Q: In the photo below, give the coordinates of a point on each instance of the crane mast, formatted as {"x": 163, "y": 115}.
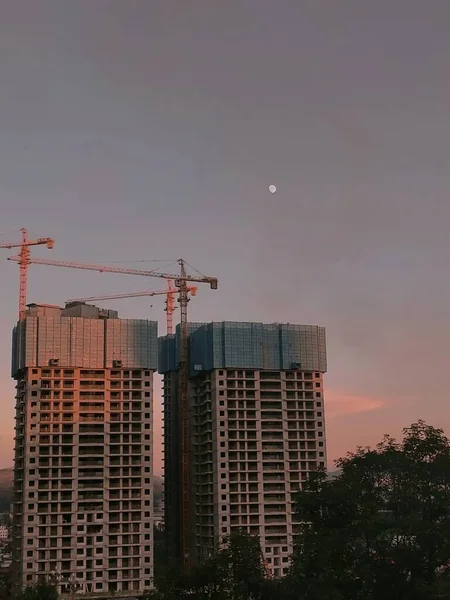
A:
{"x": 170, "y": 305}
{"x": 183, "y": 299}
{"x": 24, "y": 259}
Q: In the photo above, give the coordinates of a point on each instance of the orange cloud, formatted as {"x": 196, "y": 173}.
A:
{"x": 338, "y": 404}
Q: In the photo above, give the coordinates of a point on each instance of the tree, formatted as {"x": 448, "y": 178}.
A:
{"x": 154, "y": 595}
{"x": 243, "y": 560}
{"x": 5, "y": 585}
{"x": 39, "y": 591}
{"x": 234, "y": 572}
{"x": 380, "y": 529}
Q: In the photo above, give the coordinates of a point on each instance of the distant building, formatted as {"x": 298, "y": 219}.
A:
{"x": 83, "y": 500}
{"x": 158, "y": 515}
{"x": 257, "y": 430}
{"x": 4, "y": 533}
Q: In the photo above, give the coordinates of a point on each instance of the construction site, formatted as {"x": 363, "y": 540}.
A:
{"x": 243, "y": 426}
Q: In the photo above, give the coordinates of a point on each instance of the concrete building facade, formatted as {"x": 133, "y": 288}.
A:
{"x": 83, "y": 500}
{"x": 257, "y": 431}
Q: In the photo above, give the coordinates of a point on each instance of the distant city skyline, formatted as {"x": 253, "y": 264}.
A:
{"x": 136, "y": 131}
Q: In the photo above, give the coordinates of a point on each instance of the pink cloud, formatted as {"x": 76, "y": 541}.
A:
{"x": 344, "y": 404}
{"x": 354, "y": 420}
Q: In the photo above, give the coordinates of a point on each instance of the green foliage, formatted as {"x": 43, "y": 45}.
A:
{"x": 160, "y": 558}
{"x": 381, "y": 529}
{"x": 40, "y": 591}
{"x": 154, "y": 595}
{"x": 5, "y": 585}
{"x": 233, "y": 573}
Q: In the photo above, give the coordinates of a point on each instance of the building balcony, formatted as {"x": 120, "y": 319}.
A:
{"x": 90, "y": 484}
{"x": 54, "y": 485}
{"x": 90, "y": 507}
{"x": 276, "y": 530}
{"x": 272, "y": 445}
{"x": 274, "y": 487}
{"x": 87, "y": 405}
{"x": 90, "y": 473}
{"x": 100, "y": 386}
{"x": 266, "y": 425}
{"x": 267, "y": 415}
{"x": 88, "y": 462}
{"x": 273, "y": 466}
{"x": 275, "y": 456}
{"x": 87, "y": 374}
{"x": 92, "y": 439}
{"x": 274, "y": 498}
{"x": 265, "y": 405}
{"x": 93, "y": 450}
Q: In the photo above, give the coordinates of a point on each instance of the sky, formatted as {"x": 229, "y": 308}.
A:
{"x": 135, "y": 131}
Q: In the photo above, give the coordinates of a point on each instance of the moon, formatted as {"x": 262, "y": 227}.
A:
{"x": 272, "y": 189}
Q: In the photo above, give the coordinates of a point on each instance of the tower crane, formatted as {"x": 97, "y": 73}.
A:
{"x": 169, "y": 293}
{"x": 181, "y": 283}
{"x": 24, "y": 259}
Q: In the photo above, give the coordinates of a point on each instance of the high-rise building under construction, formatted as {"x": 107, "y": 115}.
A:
{"x": 83, "y": 449}
{"x": 257, "y": 429}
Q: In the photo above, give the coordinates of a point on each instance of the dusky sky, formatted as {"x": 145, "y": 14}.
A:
{"x": 137, "y": 131}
